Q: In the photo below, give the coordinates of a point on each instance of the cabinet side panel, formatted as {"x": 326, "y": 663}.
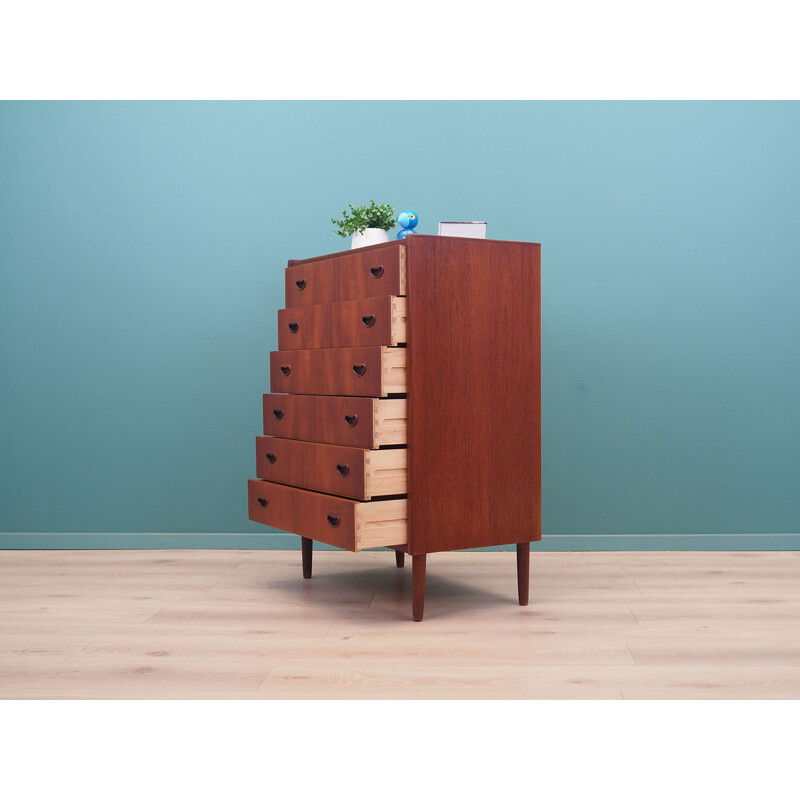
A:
{"x": 474, "y": 407}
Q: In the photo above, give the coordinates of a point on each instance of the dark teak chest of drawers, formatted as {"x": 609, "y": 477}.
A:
{"x": 405, "y": 402}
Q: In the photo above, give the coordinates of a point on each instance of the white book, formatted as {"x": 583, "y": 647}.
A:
{"x": 467, "y": 230}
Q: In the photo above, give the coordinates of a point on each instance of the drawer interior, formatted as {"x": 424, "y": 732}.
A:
{"x": 386, "y": 471}
{"x": 390, "y": 421}
{"x": 394, "y": 362}
{"x": 381, "y": 523}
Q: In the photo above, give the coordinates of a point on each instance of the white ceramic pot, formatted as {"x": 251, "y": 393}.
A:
{"x": 370, "y": 236}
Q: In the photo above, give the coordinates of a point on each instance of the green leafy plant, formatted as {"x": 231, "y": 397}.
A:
{"x": 359, "y": 218}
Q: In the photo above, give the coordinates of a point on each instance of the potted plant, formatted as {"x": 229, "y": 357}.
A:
{"x": 366, "y": 224}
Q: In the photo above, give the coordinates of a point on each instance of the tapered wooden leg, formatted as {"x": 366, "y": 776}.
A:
{"x": 399, "y": 558}
{"x": 418, "y": 585}
{"x": 523, "y": 571}
{"x": 308, "y": 545}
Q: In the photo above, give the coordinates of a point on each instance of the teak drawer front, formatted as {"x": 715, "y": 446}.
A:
{"x": 346, "y": 471}
{"x": 353, "y": 421}
{"x": 348, "y": 524}
{"x": 376, "y": 320}
{"x": 357, "y": 371}
{"x": 369, "y": 273}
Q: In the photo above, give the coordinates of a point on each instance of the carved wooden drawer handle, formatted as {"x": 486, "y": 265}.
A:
{"x": 277, "y": 413}
{"x": 293, "y": 326}
{"x": 359, "y": 369}
{"x": 300, "y": 285}
{"x": 343, "y": 470}
{"x": 333, "y": 520}
{"x": 376, "y": 271}
{"x": 286, "y": 369}
{"x": 271, "y": 457}
{"x": 368, "y": 320}
{"x": 262, "y": 501}
{"x": 351, "y": 419}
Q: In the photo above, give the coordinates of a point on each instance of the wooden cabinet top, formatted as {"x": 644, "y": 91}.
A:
{"x": 422, "y": 238}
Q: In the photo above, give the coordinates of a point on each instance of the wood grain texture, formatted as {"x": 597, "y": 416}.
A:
{"x": 473, "y": 393}
{"x": 338, "y": 521}
{"x": 354, "y": 323}
{"x": 349, "y": 275}
{"x": 358, "y": 371}
{"x": 353, "y": 421}
{"x": 237, "y": 623}
{"x": 345, "y": 471}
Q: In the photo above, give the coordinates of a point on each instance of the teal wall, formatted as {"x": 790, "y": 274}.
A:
{"x": 142, "y": 248}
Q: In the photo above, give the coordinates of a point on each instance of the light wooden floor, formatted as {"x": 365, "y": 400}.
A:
{"x": 228, "y": 624}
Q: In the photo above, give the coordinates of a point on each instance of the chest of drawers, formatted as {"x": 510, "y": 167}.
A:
{"x": 404, "y": 407}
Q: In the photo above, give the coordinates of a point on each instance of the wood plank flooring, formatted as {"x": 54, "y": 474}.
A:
{"x": 244, "y": 624}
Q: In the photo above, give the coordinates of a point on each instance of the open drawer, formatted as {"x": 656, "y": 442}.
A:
{"x": 353, "y": 421}
{"x": 354, "y": 371}
{"x": 353, "y": 323}
{"x": 347, "y": 471}
{"x": 349, "y": 524}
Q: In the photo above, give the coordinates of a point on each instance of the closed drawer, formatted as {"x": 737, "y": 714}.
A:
{"x": 349, "y": 524}
{"x": 346, "y": 471}
{"x": 376, "y": 320}
{"x": 367, "y": 272}
{"x": 358, "y": 371}
{"x": 355, "y": 421}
